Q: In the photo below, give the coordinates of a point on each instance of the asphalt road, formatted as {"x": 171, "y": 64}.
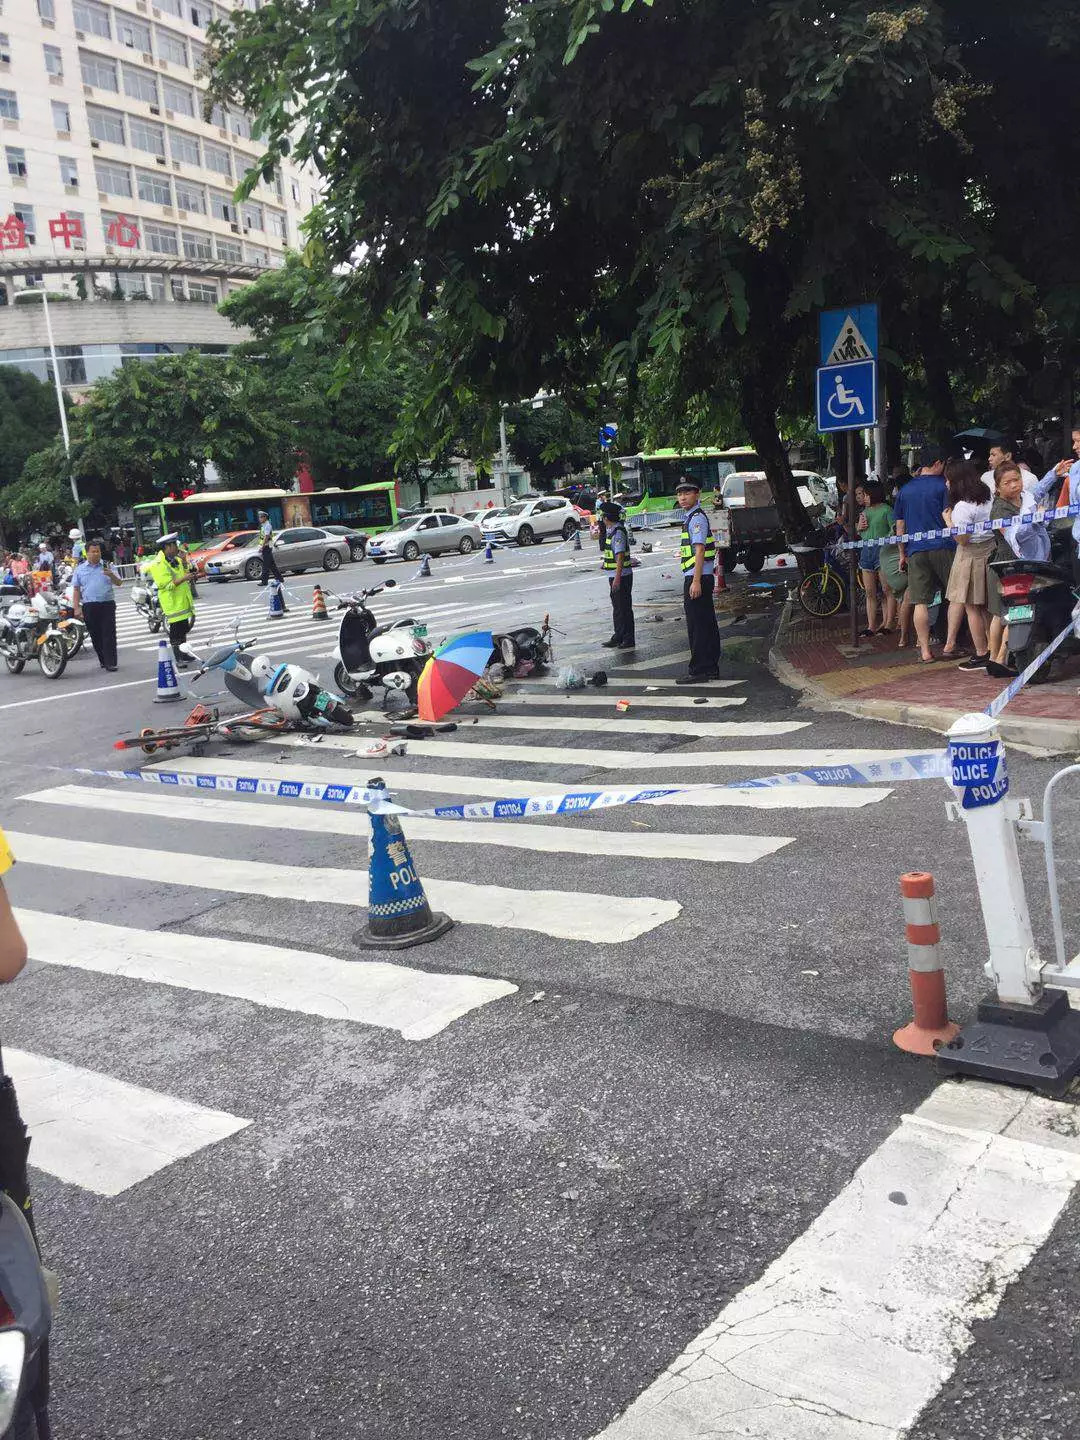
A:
{"x": 497, "y": 1189}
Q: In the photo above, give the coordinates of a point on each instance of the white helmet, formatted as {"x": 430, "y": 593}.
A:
{"x": 74, "y": 534}
{"x": 262, "y": 667}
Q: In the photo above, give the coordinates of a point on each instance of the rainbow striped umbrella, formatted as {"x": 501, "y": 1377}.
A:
{"x": 451, "y": 673}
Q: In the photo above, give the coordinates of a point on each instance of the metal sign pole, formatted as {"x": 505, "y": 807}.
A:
{"x": 853, "y": 555}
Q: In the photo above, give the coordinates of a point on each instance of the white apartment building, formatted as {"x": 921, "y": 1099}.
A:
{"x": 115, "y": 192}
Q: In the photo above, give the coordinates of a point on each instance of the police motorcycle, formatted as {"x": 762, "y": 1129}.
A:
{"x": 29, "y": 631}
{"x": 370, "y": 654}
{"x": 61, "y": 608}
{"x": 144, "y": 597}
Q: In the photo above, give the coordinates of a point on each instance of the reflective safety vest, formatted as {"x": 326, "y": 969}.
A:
{"x": 610, "y": 557}
{"x": 174, "y": 588}
{"x": 686, "y": 549}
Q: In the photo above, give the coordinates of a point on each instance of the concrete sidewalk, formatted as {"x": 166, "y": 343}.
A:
{"x": 881, "y": 682}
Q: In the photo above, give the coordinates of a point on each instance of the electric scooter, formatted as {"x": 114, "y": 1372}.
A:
{"x": 370, "y": 654}
{"x": 1039, "y": 602}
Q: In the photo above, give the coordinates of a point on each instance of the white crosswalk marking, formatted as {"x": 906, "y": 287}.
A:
{"x": 598, "y": 919}
{"x": 416, "y": 1003}
{"x": 514, "y": 835}
{"x": 104, "y": 1134}
{"x": 690, "y": 729}
{"x": 486, "y": 787}
{"x": 700, "y": 705}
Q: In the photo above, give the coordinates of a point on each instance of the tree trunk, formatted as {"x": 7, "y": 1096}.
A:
{"x": 894, "y": 423}
{"x": 758, "y": 408}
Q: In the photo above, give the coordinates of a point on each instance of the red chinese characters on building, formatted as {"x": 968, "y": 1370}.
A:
{"x": 13, "y": 234}
{"x": 123, "y": 232}
{"x": 67, "y": 228}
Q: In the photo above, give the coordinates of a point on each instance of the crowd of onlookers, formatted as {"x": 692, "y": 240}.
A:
{"x": 904, "y": 581}
{"x": 43, "y": 563}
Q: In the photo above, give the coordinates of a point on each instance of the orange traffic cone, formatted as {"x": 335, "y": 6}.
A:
{"x": 318, "y": 605}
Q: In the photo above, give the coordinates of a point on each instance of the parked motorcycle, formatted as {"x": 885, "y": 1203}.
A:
{"x": 293, "y": 691}
{"x": 29, "y": 632}
{"x": 144, "y": 597}
{"x": 1038, "y": 602}
{"x": 61, "y": 608}
{"x": 370, "y": 654}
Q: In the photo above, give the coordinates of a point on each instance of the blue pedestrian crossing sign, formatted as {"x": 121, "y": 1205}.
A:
{"x": 847, "y": 335}
{"x": 847, "y": 396}
{"x": 607, "y": 436}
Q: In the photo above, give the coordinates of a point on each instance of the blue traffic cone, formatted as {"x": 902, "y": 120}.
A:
{"x": 168, "y": 687}
{"x": 275, "y": 607}
{"x": 489, "y": 554}
{"x": 398, "y": 911}
{"x": 425, "y": 565}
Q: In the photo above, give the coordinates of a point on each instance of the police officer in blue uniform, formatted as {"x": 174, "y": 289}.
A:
{"x": 620, "y": 578}
{"x": 697, "y": 556}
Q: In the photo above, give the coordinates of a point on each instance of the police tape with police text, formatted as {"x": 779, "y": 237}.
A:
{"x": 977, "y": 527}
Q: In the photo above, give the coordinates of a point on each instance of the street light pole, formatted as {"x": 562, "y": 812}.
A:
{"x": 504, "y": 459}
{"x": 63, "y": 414}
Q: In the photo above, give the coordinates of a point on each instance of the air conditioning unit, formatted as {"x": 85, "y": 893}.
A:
{"x": 110, "y": 249}
{"x": 181, "y": 214}
{"x": 80, "y": 35}
{"x": 141, "y": 6}
{"x": 65, "y": 135}
{"x": 87, "y": 89}
{"x": 235, "y": 229}
{"x": 157, "y": 13}
{"x": 78, "y": 244}
{"x": 176, "y": 164}
{"x": 160, "y": 160}
{"x": 163, "y": 64}
{"x": 11, "y": 124}
{"x": 155, "y": 110}
{"x": 56, "y": 79}
{"x": 102, "y": 195}
{"x": 224, "y": 134}
{"x": 71, "y": 189}
{"x": 167, "y": 210}
{"x": 19, "y": 180}
{"x": 168, "y": 114}
{"x": 148, "y": 57}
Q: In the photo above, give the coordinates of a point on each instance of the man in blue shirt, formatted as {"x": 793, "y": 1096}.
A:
{"x": 920, "y": 505}
{"x": 697, "y": 557}
{"x": 1070, "y": 468}
{"x": 96, "y": 604}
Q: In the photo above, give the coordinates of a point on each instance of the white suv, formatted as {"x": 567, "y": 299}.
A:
{"x": 531, "y": 521}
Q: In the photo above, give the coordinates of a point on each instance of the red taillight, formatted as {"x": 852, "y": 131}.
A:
{"x": 7, "y": 1315}
{"x": 1016, "y": 587}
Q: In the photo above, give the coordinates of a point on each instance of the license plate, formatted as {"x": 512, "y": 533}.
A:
{"x": 1020, "y": 612}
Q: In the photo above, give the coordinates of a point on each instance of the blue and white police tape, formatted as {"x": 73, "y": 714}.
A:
{"x": 977, "y": 527}
{"x": 997, "y": 705}
{"x": 927, "y": 765}
{"x": 977, "y": 770}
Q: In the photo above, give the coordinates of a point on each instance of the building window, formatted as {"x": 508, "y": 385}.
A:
{"x": 198, "y": 55}
{"x": 201, "y": 15}
{"x": 295, "y": 189}
{"x": 140, "y": 84}
{"x": 98, "y": 72}
{"x": 239, "y": 125}
{"x": 157, "y": 286}
{"x": 54, "y": 60}
{"x": 253, "y": 217}
{"x": 153, "y": 187}
{"x": 184, "y": 148}
{"x": 69, "y": 171}
{"x": 172, "y": 7}
{"x": 113, "y": 179}
{"x": 105, "y": 125}
{"x": 16, "y": 162}
{"x": 178, "y": 97}
{"x": 278, "y": 226}
{"x": 223, "y": 207}
{"x": 171, "y": 47}
{"x": 61, "y": 116}
{"x": 217, "y": 159}
{"x": 205, "y": 292}
{"x": 161, "y": 238}
{"x": 255, "y": 255}
{"x": 130, "y": 285}
{"x": 9, "y": 106}
{"x": 196, "y": 245}
{"x": 121, "y": 231}
{"x": 25, "y": 213}
{"x": 217, "y": 116}
{"x": 227, "y": 249}
{"x": 146, "y": 135}
{"x": 190, "y": 197}
{"x": 134, "y": 34}
{"x": 5, "y": 50}
{"x": 46, "y": 10}
{"x": 91, "y": 19}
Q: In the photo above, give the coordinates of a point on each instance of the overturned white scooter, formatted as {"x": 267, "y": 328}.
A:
{"x": 370, "y": 654}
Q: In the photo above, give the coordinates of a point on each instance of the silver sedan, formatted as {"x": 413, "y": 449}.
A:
{"x": 425, "y": 534}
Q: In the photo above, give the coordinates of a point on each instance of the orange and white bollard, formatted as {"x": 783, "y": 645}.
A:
{"x": 719, "y": 578}
{"x": 931, "y": 1025}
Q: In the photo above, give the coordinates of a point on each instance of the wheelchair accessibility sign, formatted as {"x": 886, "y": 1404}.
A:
{"x": 847, "y": 396}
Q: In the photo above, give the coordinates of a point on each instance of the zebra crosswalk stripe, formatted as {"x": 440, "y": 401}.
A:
{"x": 587, "y": 840}
{"x": 690, "y": 729}
{"x": 104, "y": 1134}
{"x": 416, "y": 1003}
{"x": 597, "y": 919}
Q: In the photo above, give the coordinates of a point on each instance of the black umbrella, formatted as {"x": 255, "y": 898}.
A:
{"x": 991, "y": 435}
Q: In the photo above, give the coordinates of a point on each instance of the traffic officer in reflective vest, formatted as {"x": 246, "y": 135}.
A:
{"x": 697, "y": 556}
{"x": 620, "y": 578}
{"x": 169, "y": 572}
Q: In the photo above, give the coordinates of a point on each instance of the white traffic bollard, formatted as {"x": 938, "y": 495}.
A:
{"x": 1024, "y": 1034}
{"x": 980, "y": 782}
